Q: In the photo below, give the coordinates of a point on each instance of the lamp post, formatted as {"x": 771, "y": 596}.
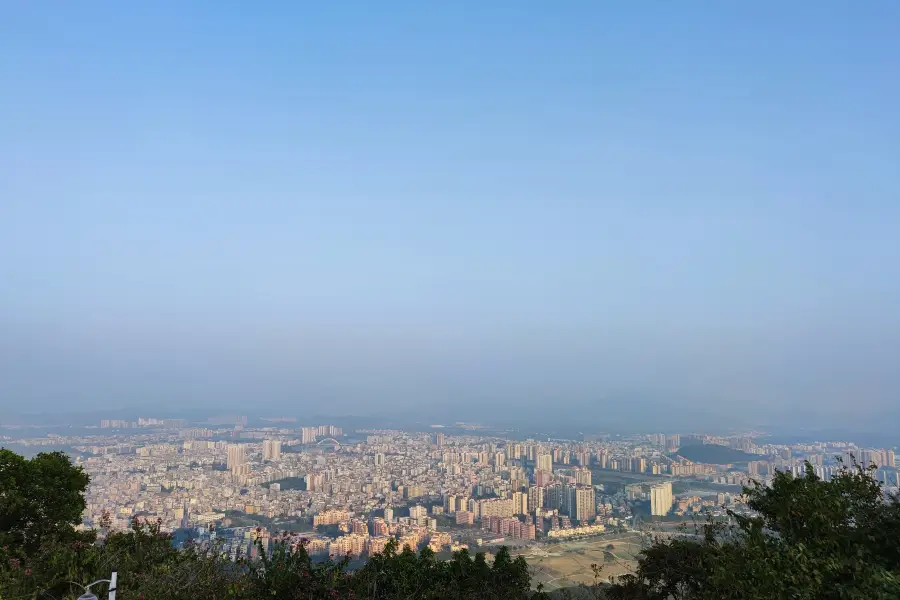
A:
{"x": 88, "y": 595}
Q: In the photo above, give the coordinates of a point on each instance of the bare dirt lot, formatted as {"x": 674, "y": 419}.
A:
{"x": 569, "y": 563}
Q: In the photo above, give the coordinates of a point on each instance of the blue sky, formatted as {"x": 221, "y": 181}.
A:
{"x": 388, "y": 206}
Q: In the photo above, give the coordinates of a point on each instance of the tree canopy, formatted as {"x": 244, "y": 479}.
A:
{"x": 39, "y": 498}
{"x": 808, "y": 539}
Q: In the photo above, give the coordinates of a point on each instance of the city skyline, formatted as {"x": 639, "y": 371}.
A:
{"x": 233, "y": 480}
{"x": 242, "y": 483}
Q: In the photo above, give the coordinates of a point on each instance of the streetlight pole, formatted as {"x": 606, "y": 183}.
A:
{"x": 88, "y": 595}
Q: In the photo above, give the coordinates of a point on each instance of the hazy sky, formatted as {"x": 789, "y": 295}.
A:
{"x": 566, "y": 208}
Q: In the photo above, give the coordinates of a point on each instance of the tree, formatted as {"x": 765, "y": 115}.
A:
{"x": 406, "y": 574}
{"x": 39, "y": 498}
{"x": 809, "y": 539}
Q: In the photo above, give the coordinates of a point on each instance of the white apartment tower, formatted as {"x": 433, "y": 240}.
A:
{"x": 545, "y": 462}
{"x": 272, "y": 450}
{"x": 661, "y": 499}
{"x": 237, "y": 455}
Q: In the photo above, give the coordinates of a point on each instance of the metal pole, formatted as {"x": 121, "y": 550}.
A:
{"x": 112, "y": 585}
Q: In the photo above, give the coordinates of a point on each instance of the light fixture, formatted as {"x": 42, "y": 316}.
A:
{"x": 88, "y": 595}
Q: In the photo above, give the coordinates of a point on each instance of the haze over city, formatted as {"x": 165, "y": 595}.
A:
{"x": 585, "y": 212}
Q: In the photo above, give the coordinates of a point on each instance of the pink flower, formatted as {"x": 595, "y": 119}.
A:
{"x": 27, "y": 572}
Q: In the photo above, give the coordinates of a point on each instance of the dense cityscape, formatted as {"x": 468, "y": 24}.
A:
{"x": 449, "y": 301}
{"x": 451, "y": 487}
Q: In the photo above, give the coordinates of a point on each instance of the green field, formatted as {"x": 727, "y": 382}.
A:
{"x": 714, "y": 454}
{"x": 291, "y": 483}
{"x": 242, "y": 519}
{"x": 613, "y": 481}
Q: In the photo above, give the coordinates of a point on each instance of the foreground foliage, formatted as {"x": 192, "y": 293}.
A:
{"x": 809, "y": 540}
{"x": 150, "y": 567}
{"x": 40, "y": 498}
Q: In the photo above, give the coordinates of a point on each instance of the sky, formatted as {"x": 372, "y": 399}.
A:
{"x": 595, "y": 211}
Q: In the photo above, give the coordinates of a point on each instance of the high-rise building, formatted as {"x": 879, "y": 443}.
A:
{"x": 661, "y": 499}
{"x": 673, "y": 442}
{"x": 379, "y": 459}
{"x": 464, "y": 517}
{"x": 495, "y": 507}
{"x": 584, "y": 458}
{"x": 272, "y": 450}
{"x": 330, "y": 517}
{"x": 557, "y": 496}
{"x": 359, "y": 527}
{"x": 308, "y": 435}
{"x": 438, "y": 438}
{"x": 417, "y": 511}
{"x": 584, "y": 508}
{"x": 499, "y": 459}
{"x": 535, "y": 498}
{"x": 389, "y": 514}
{"x": 236, "y": 456}
{"x": 583, "y": 476}
{"x": 520, "y": 503}
{"x": 542, "y": 478}
{"x": 545, "y": 462}
{"x": 314, "y": 481}
{"x": 379, "y": 527}
{"x": 186, "y": 516}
